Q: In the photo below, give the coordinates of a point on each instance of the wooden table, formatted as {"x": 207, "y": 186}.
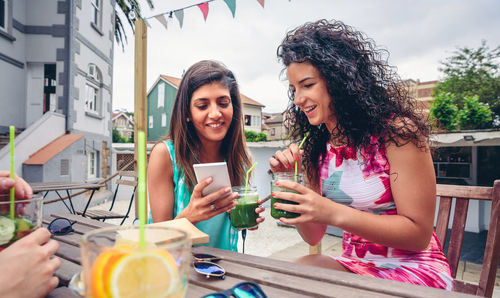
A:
{"x": 65, "y": 186}
{"x": 277, "y": 278}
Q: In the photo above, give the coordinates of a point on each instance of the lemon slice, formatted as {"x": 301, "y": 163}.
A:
{"x": 102, "y": 268}
{"x": 7, "y": 229}
{"x": 144, "y": 274}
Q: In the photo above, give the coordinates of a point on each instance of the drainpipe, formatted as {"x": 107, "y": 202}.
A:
{"x": 67, "y": 64}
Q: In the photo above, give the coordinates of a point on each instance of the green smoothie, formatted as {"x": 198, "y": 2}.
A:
{"x": 278, "y": 213}
{"x": 243, "y": 216}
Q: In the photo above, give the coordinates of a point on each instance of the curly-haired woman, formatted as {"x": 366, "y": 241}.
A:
{"x": 366, "y": 158}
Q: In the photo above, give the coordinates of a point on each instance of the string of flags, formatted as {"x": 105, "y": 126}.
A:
{"x": 162, "y": 18}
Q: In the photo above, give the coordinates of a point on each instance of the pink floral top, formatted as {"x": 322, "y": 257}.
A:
{"x": 360, "y": 179}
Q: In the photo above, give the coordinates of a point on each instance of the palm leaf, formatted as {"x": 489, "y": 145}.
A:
{"x": 124, "y": 6}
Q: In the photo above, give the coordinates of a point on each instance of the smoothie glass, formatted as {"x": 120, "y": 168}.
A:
{"x": 27, "y": 217}
{"x": 115, "y": 266}
{"x": 243, "y": 216}
{"x": 283, "y": 176}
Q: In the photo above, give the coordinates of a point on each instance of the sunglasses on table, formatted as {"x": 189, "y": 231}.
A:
{"x": 61, "y": 226}
{"x": 242, "y": 290}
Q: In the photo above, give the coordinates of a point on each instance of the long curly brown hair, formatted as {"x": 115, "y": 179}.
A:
{"x": 366, "y": 93}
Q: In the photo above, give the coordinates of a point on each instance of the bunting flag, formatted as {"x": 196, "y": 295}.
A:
{"x": 232, "y": 6}
{"x": 162, "y": 20}
{"x": 179, "y": 15}
{"x": 204, "y": 9}
{"x": 203, "y": 6}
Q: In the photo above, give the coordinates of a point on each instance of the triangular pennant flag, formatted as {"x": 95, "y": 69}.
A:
{"x": 179, "y": 14}
{"x": 204, "y": 9}
{"x": 232, "y": 5}
{"x": 261, "y": 3}
{"x": 162, "y": 20}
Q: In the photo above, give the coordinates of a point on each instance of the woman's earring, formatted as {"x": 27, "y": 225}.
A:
{"x": 187, "y": 119}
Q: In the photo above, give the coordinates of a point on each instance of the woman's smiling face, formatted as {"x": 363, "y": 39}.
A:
{"x": 310, "y": 93}
{"x": 211, "y": 112}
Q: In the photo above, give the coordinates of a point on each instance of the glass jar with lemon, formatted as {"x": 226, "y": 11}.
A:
{"x": 115, "y": 266}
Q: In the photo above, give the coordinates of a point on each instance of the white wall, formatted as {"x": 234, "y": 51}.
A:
{"x": 34, "y": 92}
{"x": 253, "y": 111}
{"x": 42, "y": 132}
{"x": 87, "y": 56}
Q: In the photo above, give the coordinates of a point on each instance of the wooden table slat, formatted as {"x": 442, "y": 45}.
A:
{"x": 277, "y": 278}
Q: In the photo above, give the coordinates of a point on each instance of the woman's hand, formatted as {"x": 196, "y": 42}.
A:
{"x": 284, "y": 161}
{"x": 312, "y": 207}
{"x": 29, "y": 265}
{"x": 205, "y": 207}
{"x": 260, "y": 219}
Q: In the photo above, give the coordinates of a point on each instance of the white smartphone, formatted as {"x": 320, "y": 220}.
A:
{"x": 218, "y": 172}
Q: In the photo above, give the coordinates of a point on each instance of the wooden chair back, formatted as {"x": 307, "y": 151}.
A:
{"x": 462, "y": 195}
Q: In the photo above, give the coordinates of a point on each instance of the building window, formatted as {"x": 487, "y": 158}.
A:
{"x": 91, "y": 98}
{"x": 161, "y": 94}
{"x": 64, "y": 167}
{"x": 93, "y": 90}
{"x": 273, "y": 131}
{"x": 255, "y": 120}
{"x": 92, "y": 164}
{"x": 3, "y": 15}
{"x": 96, "y": 12}
{"x": 248, "y": 120}
{"x": 163, "y": 119}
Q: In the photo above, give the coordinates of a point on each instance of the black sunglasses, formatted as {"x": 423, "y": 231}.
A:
{"x": 61, "y": 226}
{"x": 242, "y": 290}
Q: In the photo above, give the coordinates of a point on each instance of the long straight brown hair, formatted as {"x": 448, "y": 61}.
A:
{"x": 183, "y": 134}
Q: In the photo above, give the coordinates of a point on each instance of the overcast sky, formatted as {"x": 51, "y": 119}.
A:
{"x": 418, "y": 34}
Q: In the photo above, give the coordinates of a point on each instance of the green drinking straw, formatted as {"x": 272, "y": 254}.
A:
{"x": 12, "y": 131}
{"x": 300, "y": 146}
{"x": 141, "y": 185}
{"x": 246, "y": 180}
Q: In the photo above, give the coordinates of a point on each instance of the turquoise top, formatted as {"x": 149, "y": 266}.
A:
{"x": 222, "y": 234}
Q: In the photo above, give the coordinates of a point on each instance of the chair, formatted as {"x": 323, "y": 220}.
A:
{"x": 108, "y": 214}
{"x": 463, "y": 194}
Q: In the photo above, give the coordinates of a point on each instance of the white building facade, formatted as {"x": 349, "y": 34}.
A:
{"x": 56, "y": 60}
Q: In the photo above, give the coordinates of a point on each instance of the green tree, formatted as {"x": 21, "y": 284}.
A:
{"x": 122, "y": 14}
{"x": 470, "y": 72}
{"x": 474, "y": 114}
{"x": 116, "y": 136}
{"x": 443, "y": 111}
{"x": 253, "y": 136}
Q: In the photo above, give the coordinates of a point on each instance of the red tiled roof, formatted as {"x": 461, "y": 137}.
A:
{"x": 245, "y": 99}
{"x": 52, "y": 149}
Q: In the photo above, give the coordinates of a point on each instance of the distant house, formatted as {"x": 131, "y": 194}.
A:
{"x": 56, "y": 65}
{"x": 422, "y": 92}
{"x": 274, "y": 128}
{"x": 123, "y": 123}
{"x": 161, "y": 97}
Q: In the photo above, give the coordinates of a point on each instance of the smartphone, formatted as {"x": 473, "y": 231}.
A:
{"x": 218, "y": 172}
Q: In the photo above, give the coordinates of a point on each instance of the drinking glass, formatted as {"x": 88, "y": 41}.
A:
{"x": 26, "y": 218}
{"x": 283, "y": 176}
{"x": 114, "y": 265}
{"x": 243, "y": 216}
